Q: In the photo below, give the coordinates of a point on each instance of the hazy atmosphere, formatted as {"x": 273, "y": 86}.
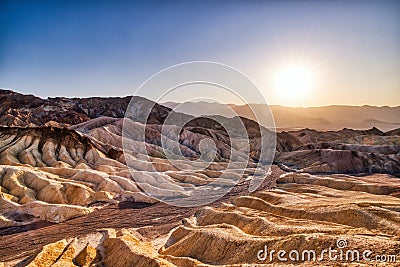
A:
{"x": 333, "y": 52}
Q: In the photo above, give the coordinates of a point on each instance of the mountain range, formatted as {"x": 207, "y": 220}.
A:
{"x": 81, "y": 184}
{"x": 323, "y": 118}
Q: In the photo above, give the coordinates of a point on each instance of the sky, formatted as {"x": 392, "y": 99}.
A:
{"x": 349, "y": 50}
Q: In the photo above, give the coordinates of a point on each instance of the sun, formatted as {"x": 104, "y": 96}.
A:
{"x": 293, "y": 82}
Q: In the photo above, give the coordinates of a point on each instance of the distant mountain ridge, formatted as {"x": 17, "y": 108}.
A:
{"x": 324, "y": 118}
{"x": 27, "y": 110}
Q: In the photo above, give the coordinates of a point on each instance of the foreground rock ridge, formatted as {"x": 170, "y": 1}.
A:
{"x": 301, "y": 212}
{"x": 68, "y": 198}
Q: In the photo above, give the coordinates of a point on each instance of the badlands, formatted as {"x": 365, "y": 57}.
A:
{"x": 68, "y": 198}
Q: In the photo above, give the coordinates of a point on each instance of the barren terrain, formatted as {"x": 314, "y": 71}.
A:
{"x": 73, "y": 188}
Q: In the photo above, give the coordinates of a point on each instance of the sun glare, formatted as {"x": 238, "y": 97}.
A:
{"x": 293, "y": 82}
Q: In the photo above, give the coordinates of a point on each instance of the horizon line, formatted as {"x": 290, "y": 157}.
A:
{"x": 203, "y": 101}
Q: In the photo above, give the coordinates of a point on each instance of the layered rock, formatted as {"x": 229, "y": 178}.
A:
{"x": 305, "y": 150}
{"x": 302, "y": 213}
{"x": 345, "y": 151}
{"x": 66, "y": 171}
{"x": 28, "y": 110}
{"x": 55, "y": 174}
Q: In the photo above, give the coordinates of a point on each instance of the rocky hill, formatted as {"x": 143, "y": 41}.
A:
{"x": 68, "y": 198}
{"x": 28, "y": 110}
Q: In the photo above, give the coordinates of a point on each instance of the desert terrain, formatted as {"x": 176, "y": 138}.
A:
{"x": 73, "y": 188}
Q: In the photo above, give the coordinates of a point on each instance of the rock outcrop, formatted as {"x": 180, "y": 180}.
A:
{"x": 55, "y": 174}
{"x": 304, "y": 150}
{"x": 64, "y": 164}
{"x": 345, "y": 151}
{"x": 28, "y": 110}
{"x": 303, "y": 212}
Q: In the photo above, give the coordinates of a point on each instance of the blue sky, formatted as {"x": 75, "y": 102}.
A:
{"x": 108, "y": 48}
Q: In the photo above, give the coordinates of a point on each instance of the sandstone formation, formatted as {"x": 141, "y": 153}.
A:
{"x": 64, "y": 176}
{"x": 304, "y": 150}
{"x": 345, "y": 151}
{"x": 303, "y": 212}
{"x": 55, "y": 174}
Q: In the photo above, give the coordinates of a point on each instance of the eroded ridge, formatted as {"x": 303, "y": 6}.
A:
{"x": 55, "y": 174}
{"x": 303, "y": 212}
